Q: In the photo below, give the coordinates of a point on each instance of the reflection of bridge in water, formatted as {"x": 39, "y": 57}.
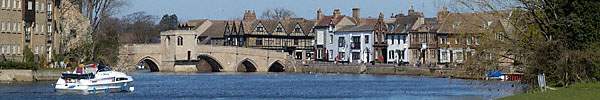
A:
{"x": 180, "y": 52}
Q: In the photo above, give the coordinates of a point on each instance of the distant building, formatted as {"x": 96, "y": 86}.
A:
{"x": 292, "y": 35}
{"x": 27, "y": 24}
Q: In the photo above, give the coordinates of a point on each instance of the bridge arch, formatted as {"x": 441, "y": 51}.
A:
{"x": 246, "y": 65}
{"x": 151, "y": 63}
{"x": 276, "y": 66}
{"x": 207, "y": 63}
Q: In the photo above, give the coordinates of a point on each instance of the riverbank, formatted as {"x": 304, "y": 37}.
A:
{"x": 11, "y": 75}
{"x": 386, "y": 70}
{"x": 581, "y": 91}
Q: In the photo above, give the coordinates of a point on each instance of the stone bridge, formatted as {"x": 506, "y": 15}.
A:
{"x": 179, "y": 51}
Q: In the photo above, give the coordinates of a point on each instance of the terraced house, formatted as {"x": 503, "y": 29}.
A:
{"x": 27, "y": 24}
{"x": 461, "y": 35}
{"x": 292, "y": 35}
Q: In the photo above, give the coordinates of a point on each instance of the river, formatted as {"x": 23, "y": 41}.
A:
{"x": 278, "y": 86}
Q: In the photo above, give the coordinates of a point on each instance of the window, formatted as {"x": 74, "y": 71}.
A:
{"x": 42, "y": 6}
{"x": 49, "y": 8}
{"x": 42, "y": 29}
{"x": 2, "y": 26}
{"x": 443, "y": 39}
{"x": 3, "y": 4}
{"x": 260, "y": 29}
{"x": 341, "y": 42}
{"x": 376, "y": 35}
{"x": 15, "y": 4}
{"x": 295, "y": 41}
{"x": 19, "y": 28}
{"x": 468, "y": 41}
{"x": 259, "y": 42}
{"x": 2, "y": 46}
{"x": 391, "y": 56}
{"x": 29, "y": 5}
{"x": 18, "y": 4}
{"x": 401, "y": 54}
{"x": 179, "y": 40}
{"x": 330, "y": 54}
{"x": 356, "y": 42}
{"x": 36, "y": 6}
{"x": 477, "y": 40}
{"x": 297, "y": 30}
{"x": 330, "y": 39}
{"x": 8, "y": 47}
{"x": 279, "y": 29}
{"x": 366, "y": 39}
{"x": 500, "y": 36}
{"x": 8, "y": 4}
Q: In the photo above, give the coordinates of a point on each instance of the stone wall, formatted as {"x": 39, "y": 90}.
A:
{"x": 29, "y": 75}
{"x": 16, "y": 75}
{"x": 47, "y": 75}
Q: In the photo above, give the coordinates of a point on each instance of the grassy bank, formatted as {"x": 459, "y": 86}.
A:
{"x": 581, "y": 91}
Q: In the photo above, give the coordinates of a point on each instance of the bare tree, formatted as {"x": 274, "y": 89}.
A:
{"x": 277, "y": 13}
{"x": 96, "y": 11}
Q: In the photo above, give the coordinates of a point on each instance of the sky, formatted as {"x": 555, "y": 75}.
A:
{"x": 234, "y": 9}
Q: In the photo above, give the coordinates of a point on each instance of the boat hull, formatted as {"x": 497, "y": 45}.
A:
{"x": 96, "y": 88}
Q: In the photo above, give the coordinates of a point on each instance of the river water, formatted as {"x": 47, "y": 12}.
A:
{"x": 278, "y": 86}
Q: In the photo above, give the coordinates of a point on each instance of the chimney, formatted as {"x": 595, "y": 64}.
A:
{"x": 356, "y": 13}
{"x": 336, "y": 13}
{"x": 249, "y": 15}
{"x": 410, "y": 10}
{"x": 441, "y": 14}
{"x": 319, "y": 14}
{"x": 253, "y": 15}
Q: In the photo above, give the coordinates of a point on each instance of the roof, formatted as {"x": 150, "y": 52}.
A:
{"x": 193, "y": 23}
{"x": 217, "y": 29}
{"x": 471, "y": 22}
{"x": 326, "y": 19}
{"x": 355, "y": 28}
{"x": 397, "y": 26}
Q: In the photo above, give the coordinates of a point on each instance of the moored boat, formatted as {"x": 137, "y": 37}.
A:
{"x": 93, "y": 79}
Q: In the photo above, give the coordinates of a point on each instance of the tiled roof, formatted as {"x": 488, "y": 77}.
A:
{"x": 216, "y": 30}
{"x": 354, "y": 28}
{"x": 472, "y": 22}
{"x": 326, "y": 19}
{"x": 398, "y": 24}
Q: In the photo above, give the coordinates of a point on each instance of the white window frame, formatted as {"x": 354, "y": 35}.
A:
{"x": 29, "y": 5}
{"x": 3, "y": 29}
{"x": 8, "y": 4}
{"x": 42, "y": 26}
{"x": 49, "y": 8}
{"x": 14, "y": 5}
{"x": 42, "y": 5}
{"x": 3, "y": 4}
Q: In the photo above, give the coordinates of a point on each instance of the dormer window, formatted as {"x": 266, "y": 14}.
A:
{"x": 260, "y": 29}
{"x": 279, "y": 29}
{"x": 455, "y": 25}
{"x": 296, "y": 30}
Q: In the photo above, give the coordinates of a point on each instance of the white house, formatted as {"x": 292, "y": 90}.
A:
{"x": 354, "y": 44}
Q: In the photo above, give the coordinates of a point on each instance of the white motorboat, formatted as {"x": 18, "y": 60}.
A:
{"x": 93, "y": 80}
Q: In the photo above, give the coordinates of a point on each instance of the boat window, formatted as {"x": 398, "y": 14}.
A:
{"x": 120, "y": 79}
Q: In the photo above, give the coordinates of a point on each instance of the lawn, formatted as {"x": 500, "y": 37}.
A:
{"x": 581, "y": 91}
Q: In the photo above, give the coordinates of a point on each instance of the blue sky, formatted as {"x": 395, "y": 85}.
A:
{"x": 233, "y": 9}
